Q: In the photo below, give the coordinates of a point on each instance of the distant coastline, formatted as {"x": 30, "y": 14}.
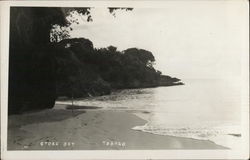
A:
{"x": 50, "y": 63}
{"x": 79, "y": 70}
{"x": 101, "y": 70}
{"x": 164, "y": 82}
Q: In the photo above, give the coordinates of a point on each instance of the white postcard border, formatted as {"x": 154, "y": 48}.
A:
{"x": 113, "y": 154}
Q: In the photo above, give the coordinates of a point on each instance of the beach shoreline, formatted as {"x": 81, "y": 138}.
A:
{"x": 89, "y": 129}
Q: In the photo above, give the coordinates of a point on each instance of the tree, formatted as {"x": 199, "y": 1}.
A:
{"x": 32, "y": 66}
{"x": 141, "y": 55}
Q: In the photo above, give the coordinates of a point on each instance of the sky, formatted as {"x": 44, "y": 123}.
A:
{"x": 189, "y": 40}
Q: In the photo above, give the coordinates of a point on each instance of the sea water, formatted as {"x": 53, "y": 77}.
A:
{"x": 206, "y": 109}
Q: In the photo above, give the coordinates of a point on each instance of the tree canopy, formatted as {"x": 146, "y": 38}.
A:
{"x": 45, "y": 63}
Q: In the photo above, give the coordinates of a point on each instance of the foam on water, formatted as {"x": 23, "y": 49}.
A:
{"x": 200, "y": 109}
{"x": 228, "y": 136}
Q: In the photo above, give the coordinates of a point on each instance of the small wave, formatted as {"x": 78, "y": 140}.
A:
{"x": 218, "y": 135}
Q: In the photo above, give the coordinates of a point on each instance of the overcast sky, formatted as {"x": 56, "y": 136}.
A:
{"x": 188, "y": 40}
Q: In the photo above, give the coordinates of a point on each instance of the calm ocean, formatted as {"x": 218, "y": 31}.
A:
{"x": 200, "y": 109}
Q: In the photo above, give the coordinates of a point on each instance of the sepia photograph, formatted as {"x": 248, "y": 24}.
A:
{"x": 147, "y": 77}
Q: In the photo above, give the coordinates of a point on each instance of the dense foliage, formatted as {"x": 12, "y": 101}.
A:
{"x": 41, "y": 70}
{"x": 83, "y": 70}
{"x": 32, "y": 65}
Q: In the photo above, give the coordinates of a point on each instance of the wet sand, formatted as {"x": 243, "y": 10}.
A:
{"x": 89, "y": 129}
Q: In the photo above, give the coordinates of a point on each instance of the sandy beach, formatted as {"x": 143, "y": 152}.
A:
{"x": 89, "y": 129}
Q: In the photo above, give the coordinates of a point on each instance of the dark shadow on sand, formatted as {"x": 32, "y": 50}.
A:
{"x": 50, "y": 115}
{"x": 82, "y": 107}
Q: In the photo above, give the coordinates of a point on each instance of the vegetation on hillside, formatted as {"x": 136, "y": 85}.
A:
{"x": 41, "y": 68}
{"x": 83, "y": 70}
